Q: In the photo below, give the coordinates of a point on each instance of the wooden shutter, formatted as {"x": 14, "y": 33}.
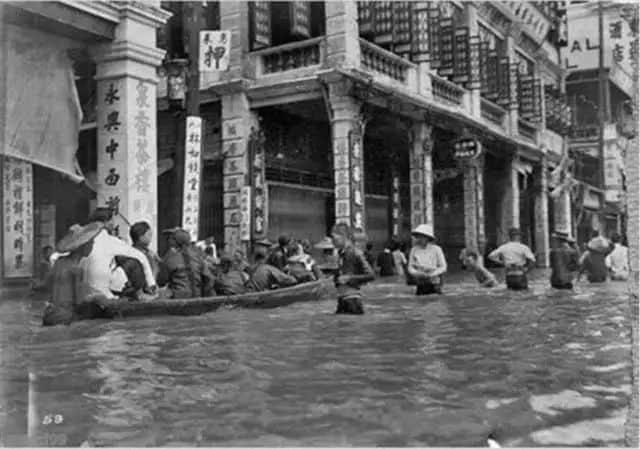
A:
{"x": 434, "y": 36}
{"x": 474, "y": 63}
{"x": 382, "y": 22}
{"x": 537, "y": 100}
{"x": 548, "y": 105}
{"x": 526, "y": 107}
{"x": 260, "y": 16}
{"x": 446, "y": 47}
{"x": 461, "y": 57}
{"x": 420, "y": 32}
{"x": 365, "y": 18}
{"x": 504, "y": 86}
{"x": 484, "y": 68}
{"x": 300, "y": 19}
{"x": 492, "y": 75}
{"x": 401, "y": 28}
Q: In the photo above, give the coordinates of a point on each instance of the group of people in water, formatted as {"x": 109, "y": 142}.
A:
{"x": 91, "y": 262}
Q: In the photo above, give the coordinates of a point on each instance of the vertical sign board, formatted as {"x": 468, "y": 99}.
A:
{"x": 420, "y": 32}
{"x": 474, "y": 63}
{"x": 214, "y": 50}
{"x": 461, "y": 57}
{"x": 192, "y": 177}
{"x": 357, "y": 182}
{"x": 245, "y": 214}
{"x": 260, "y": 25}
{"x": 446, "y": 47}
{"x": 18, "y": 218}
{"x": 401, "y": 30}
{"x": 300, "y": 19}
{"x": 258, "y": 182}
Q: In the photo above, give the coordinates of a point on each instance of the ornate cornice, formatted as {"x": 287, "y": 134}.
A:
{"x": 127, "y": 50}
{"x": 143, "y": 12}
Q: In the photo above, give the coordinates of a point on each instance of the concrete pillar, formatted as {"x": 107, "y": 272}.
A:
{"x": 510, "y": 202}
{"x": 510, "y": 44}
{"x": 237, "y": 121}
{"x": 473, "y": 191}
{"x": 343, "y": 46}
{"x": 421, "y": 175}
{"x": 346, "y": 133}
{"x": 126, "y": 118}
{"x": 542, "y": 214}
{"x": 471, "y": 21}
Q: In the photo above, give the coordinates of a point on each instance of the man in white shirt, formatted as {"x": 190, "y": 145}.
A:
{"x": 98, "y": 267}
{"x": 517, "y": 259}
{"x": 618, "y": 260}
{"x": 427, "y": 263}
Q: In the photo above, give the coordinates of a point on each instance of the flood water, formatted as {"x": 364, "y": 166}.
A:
{"x": 538, "y": 368}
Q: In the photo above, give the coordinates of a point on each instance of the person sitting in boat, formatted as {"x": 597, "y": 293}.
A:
{"x": 517, "y": 259}
{"x": 66, "y": 283}
{"x": 263, "y": 275}
{"x": 426, "y": 263}
{"x": 100, "y": 264}
{"x": 141, "y": 236}
{"x": 302, "y": 266}
{"x": 471, "y": 260}
{"x": 353, "y": 271}
{"x": 593, "y": 261}
{"x": 564, "y": 260}
{"x": 188, "y": 274}
{"x": 618, "y": 260}
{"x": 231, "y": 280}
{"x": 278, "y": 257}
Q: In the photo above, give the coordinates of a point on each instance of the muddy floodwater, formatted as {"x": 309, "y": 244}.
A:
{"x": 538, "y": 368}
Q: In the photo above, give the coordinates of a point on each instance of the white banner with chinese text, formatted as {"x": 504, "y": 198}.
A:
{"x": 191, "y": 192}
{"x": 245, "y": 214}
{"x": 18, "y": 218}
{"x": 214, "y": 50}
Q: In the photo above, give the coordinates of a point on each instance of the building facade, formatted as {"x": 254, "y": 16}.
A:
{"x": 351, "y": 112}
{"x": 78, "y": 94}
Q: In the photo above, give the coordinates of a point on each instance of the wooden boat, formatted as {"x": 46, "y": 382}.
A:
{"x": 119, "y": 308}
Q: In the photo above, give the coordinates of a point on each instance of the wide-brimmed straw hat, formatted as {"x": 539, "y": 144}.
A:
{"x": 78, "y": 236}
{"x": 598, "y": 244}
{"x": 325, "y": 243}
{"x": 264, "y": 242}
{"x": 424, "y": 230}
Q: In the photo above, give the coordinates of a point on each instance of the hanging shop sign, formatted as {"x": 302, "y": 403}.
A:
{"x": 192, "y": 177}
{"x": 245, "y": 213}
{"x": 474, "y": 63}
{"x": 461, "y": 57}
{"x": 365, "y": 18}
{"x": 18, "y": 218}
{"x": 300, "y": 19}
{"x": 395, "y": 204}
{"x": 260, "y": 24}
{"x": 383, "y": 23}
{"x": 513, "y": 85}
{"x": 525, "y": 103}
{"x": 357, "y": 183}
{"x": 446, "y": 47}
{"x": 467, "y": 148}
{"x": 531, "y": 19}
{"x": 434, "y": 36}
{"x": 402, "y": 28}
{"x": 176, "y": 79}
{"x": 214, "y": 50}
{"x": 537, "y": 100}
{"x": 258, "y": 182}
{"x": 420, "y": 32}
{"x": 549, "y": 105}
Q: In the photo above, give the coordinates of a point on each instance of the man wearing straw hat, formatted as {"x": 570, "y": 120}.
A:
{"x": 426, "y": 263}
{"x": 66, "y": 283}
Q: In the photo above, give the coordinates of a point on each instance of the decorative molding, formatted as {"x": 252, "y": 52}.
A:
{"x": 497, "y": 18}
{"x": 127, "y": 50}
{"x": 143, "y": 12}
{"x": 104, "y": 10}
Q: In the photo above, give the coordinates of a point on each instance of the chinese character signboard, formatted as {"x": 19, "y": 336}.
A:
{"x": 504, "y": 86}
{"x": 396, "y": 217}
{"x": 214, "y": 50}
{"x": 257, "y": 154}
{"x": 245, "y": 213}
{"x": 260, "y": 24}
{"x": 461, "y": 60}
{"x": 357, "y": 181}
{"x": 191, "y": 193}
{"x": 420, "y": 32}
{"x": 612, "y": 171}
{"x": 526, "y": 106}
{"x": 446, "y": 47}
{"x": 300, "y": 19}
{"x": 18, "y": 218}
{"x": 467, "y": 148}
{"x": 383, "y": 22}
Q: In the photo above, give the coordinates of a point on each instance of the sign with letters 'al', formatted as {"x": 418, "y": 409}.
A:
{"x": 214, "y": 50}
{"x": 191, "y": 192}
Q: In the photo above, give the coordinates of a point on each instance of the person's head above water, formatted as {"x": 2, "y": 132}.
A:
{"x": 342, "y": 235}
{"x": 615, "y": 237}
{"x": 423, "y": 234}
{"x": 514, "y": 234}
{"x": 141, "y": 233}
{"x": 283, "y": 241}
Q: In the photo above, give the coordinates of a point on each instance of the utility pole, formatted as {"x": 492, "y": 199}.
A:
{"x": 192, "y": 13}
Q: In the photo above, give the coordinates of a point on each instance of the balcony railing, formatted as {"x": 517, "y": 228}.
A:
{"x": 589, "y": 132}
{"x": 446, "y": 91}
{"x": 492, "y": 112}
{"x": 526, "y": 130}
{"x": 379, "y": 60}
{"x": 290, "y": 56}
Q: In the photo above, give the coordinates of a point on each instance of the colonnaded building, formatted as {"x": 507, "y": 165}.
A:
{"x": 380, "y": 114}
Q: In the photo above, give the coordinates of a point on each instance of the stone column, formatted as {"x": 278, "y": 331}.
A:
{"x": 237, "y": 121}
{"x": 126, "y": 118}
{"x": 343, "y": 46}
{"x": 510, "y": 43}
{"x": 347, "y": 128}
{"x": 542, "y": 214}
{"x": 510, "y": 202}
{"x": 473, "y": 187}
{"x": 421, "y": 175}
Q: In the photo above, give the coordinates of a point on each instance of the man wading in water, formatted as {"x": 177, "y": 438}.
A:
{"x": 353, "y": 271}
{"x": 427, "y": 263}
{"x": 517, "y": 259}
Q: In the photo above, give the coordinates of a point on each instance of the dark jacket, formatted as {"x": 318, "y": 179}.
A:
{"x": 563, "y": 262}
{"x": 595, "y": 266}
{"x": 354, "y": 264}
{"x": 189, "y": 275}
{"x": 230, "y": 283}
{"x": 265, "y": 277}
{"x": 278, "y": 258}
{"x": 386, "y": 264}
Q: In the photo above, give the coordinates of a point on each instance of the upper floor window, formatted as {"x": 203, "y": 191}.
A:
{"x": 490, "y": 37}
{"x": 525, "y": 65}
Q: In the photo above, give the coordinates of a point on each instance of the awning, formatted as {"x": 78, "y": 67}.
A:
{"x": 43, "y": 112}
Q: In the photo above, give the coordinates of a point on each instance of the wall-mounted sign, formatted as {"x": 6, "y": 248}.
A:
{"x": 245, "y": 213}
{"x": 461, "y": 58}
{"x": 525, "y": 103}
{"x": 18, "y": 218}
{"x": 192, "y": 177}
{"x": 214, "y": 50}
{"x": 467, "y": 148}
{"x": 492, "y": 75}
{"x": 258, "y": 183}
{"x": 260, "y": 24}
{"x": 357, "y": 183}
{"x": 300, "y": 19}
{"x": 532, "y": 20}
{"x": 474, "y": 63}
